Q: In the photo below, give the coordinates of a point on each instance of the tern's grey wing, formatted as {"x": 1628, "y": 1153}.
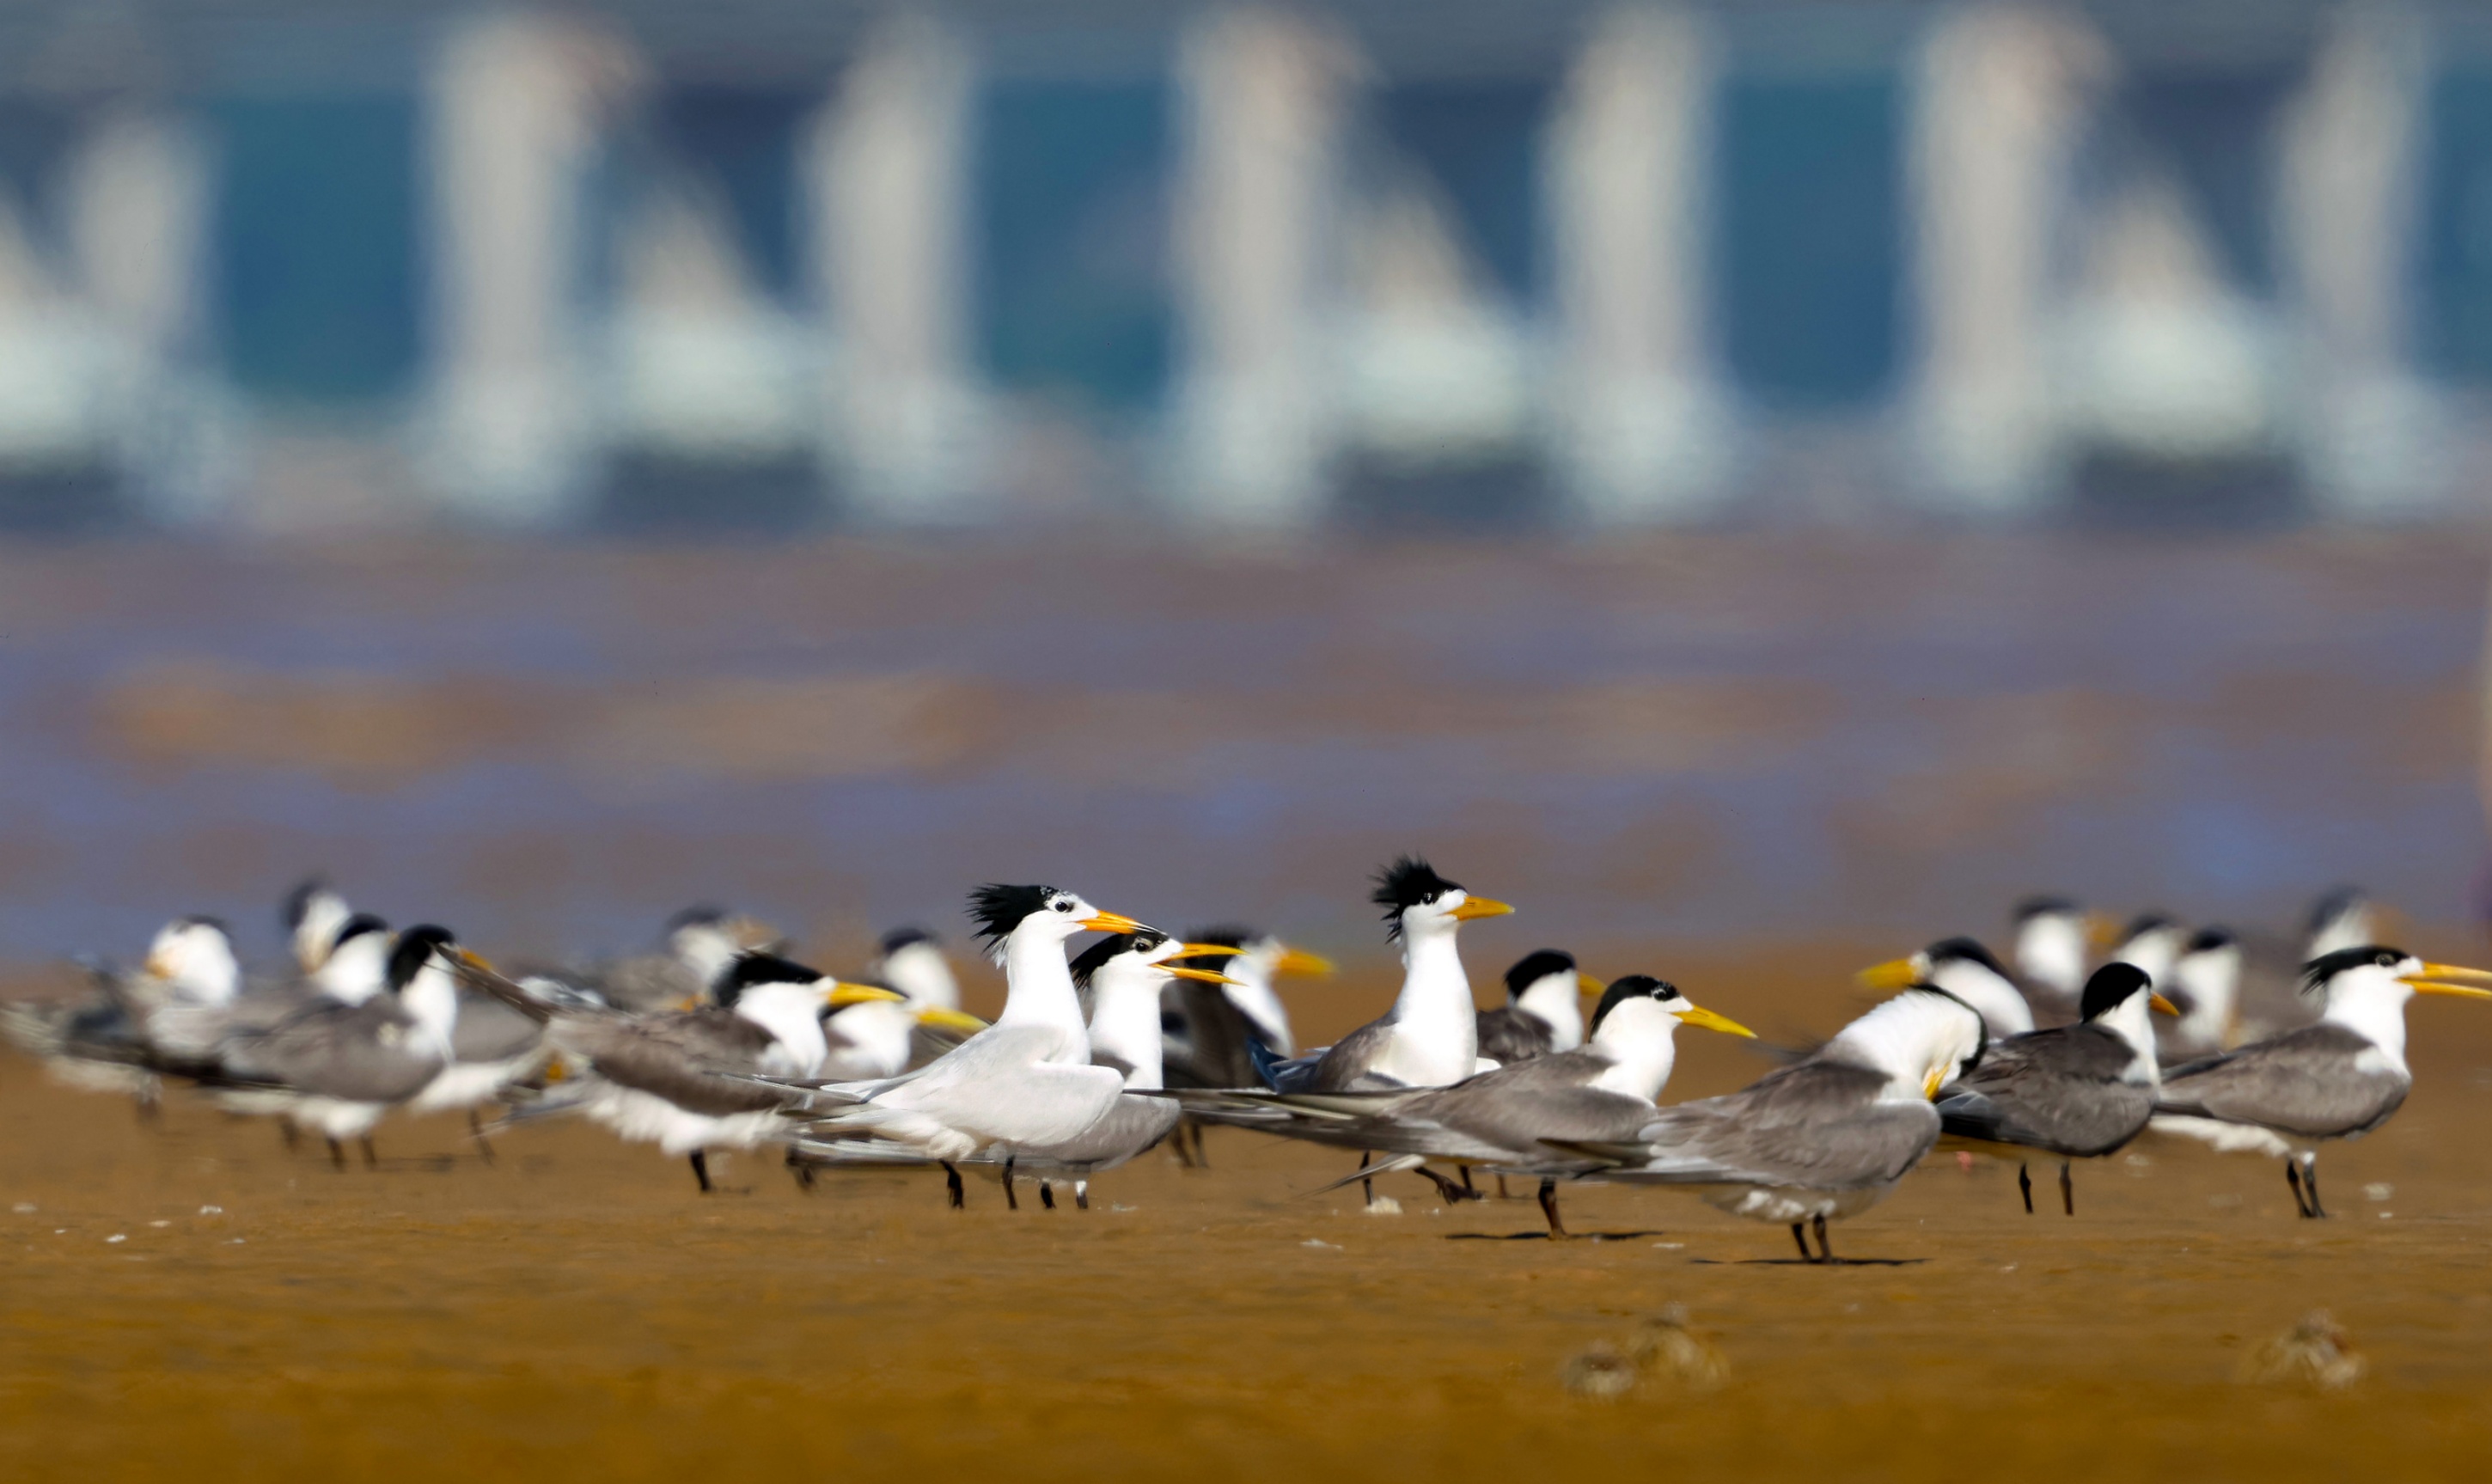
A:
{"x": 1520, "y": 1105}
{"x": 489, "y": 1031}
{"x": 2064, "y": 1090}
{"x": 648, "y": 982}
{"x": 2322, "y": 1082}
{"x": 361, "y": 1053}
{"x": 1129, "y": 1126}
{"x": 698, "y": 1059}
{"x": 1216, "y": 1053}
{"x": 1346, "y": 1066}
{"x": 1819, "y": 1125}
{"x": 1509, "y": 1034}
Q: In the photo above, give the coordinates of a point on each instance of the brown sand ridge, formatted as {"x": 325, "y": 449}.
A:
{"x": 576, "y": 1311}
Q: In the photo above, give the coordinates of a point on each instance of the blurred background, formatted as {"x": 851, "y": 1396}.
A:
{"x": 1701, "y": 471}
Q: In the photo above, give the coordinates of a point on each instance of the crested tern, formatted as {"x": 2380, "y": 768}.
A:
{"x": 164, "y": 1016}
{"x": 2338, "y": 1078}
{"x": 2079, "y": 1091}
{"x": 2207, "y": 988}
{"x": 1965, "y": 969}
{"x": 715, "y": 1076}
{"x": 1823, "y": 1139}
{"x": 1122, "y": 975}
{"x": 2051, "y": 951}
{"x": 1507, "y": 1117}
{"x": 1543, "y": 1011}
{"x": 1431, "y": 1036}
{"x": 1028, "y": 1080}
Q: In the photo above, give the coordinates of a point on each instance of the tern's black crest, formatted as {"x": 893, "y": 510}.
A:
{"x": 415, "y": 948}
{"x": 2209, "y": 940}
{"x": 1533, "y": 967}
{"x": 298, "y": 901}
{"x": 2111, "y": 987}
{"x": 1087, "y": 962}
{"x": 2339, "y": 901}
{"x": 998, "y": 908}
{"x": 204, "y": 920}
{"x": 751, "y": 968}
{"x": 2144, "y": 923}
{"x": 905, "y": 937}
{"x": 1628, "y": 986}
{"x": 356, "y": 927}
{"x": 1963, "y": 950}
{"x": 2044, "y": 907}
{"x": 1227, "y": 934}
{"x": 2316, "y": 973}
{"x": 702, "y": 916}
{"x": 1406, "y": 883}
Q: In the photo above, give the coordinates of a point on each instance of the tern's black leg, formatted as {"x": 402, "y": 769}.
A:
{"x": 1201, "y": 1160}
{"x": 1454, "y": 1193}
{"x": 952, "y": 1184}
{"x": 2025, "y": 1184}
{"x": 1081, "y": 1194}
{"x": 476, "y": 1130}
{"x": 701, "y": 1170}
{"x": 1047, "y": 1195}
{"x": 1470, "y": 1191}
{"x": 1012, "y": 1202}
{"x": 1366, "y": 1187}
{"x": 1502, "y": 1193}
{"x": 803, "y": 1170}
{"x": 2067, "y": 1191}
{"x": 1799, "y": 1234}
{"x": 1549, "y": 1209}
{"x": 1824, "y": 1249}
{"x": 2310, "y": 1181}
{"x": 372, "y": 1156}
{"x": 337, "y": 1156}
{"x": 1184, "y": 1155}
{"x": 2293, "y": 1177}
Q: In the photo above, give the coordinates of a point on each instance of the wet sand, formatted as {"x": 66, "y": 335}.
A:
{"x": 576, "y": 1311}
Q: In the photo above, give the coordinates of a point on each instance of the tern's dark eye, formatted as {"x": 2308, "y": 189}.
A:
{"x": 1430, "y": 900}
{"x": 1063, "y": 906}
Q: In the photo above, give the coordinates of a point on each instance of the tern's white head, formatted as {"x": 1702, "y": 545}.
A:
{"x": 2341, "y": 919}
{"x": 1636, "y": 1026}
{"x": 791, "y": 1002}
{"x": 2118, "y": 999}
{"x": 1965, "y": 969}
{"x": 419, "y": 974}
{"x": 196, "y": 956}
{"x": 1420, "y": 903}
{"x": 356, "y": 966}
{"x": 2366, "y": 990}
{"x": 912, "y": 962}
{"x": 313, "y": 914}
{"x": 2207, "y": 985}
{"x": 1123, "y": 976}
{"x": 1920, "y": 1041}
{"x": 1259, "y": 960}
{"x": 2051, "y": 945}
{"x": 2153, "y": 943}
{"x": 1548, "y": 987}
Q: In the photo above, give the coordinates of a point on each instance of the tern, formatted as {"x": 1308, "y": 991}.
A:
{"x": 341, "y": 1062}
{"x": 488, "y": 1046}
{"x": 314, "y": 912}
{"x": 1213, "y": 1029}
{"x": 1025, "y": 1081}
{"x": 710, "y": 1077}
{"x": 1965, "y": 969}
{"x": 1543, "y": 1011}
{"x": 1431, "y": 1036}
{"x": 1123, "y": 976}
{"x": 166, "y": 1016}
{"x": 2052, "y": 934}
{"x": 2154, "y": 943}
{"x": 1820, "y": 1139}
{"x": 2079, "y": 1091}
{"x": 1507, "y": 1117}
{"x": 701, "y": 943}
{"x": 2207, "y": 988}
{"x": 2338, "y": 1078}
